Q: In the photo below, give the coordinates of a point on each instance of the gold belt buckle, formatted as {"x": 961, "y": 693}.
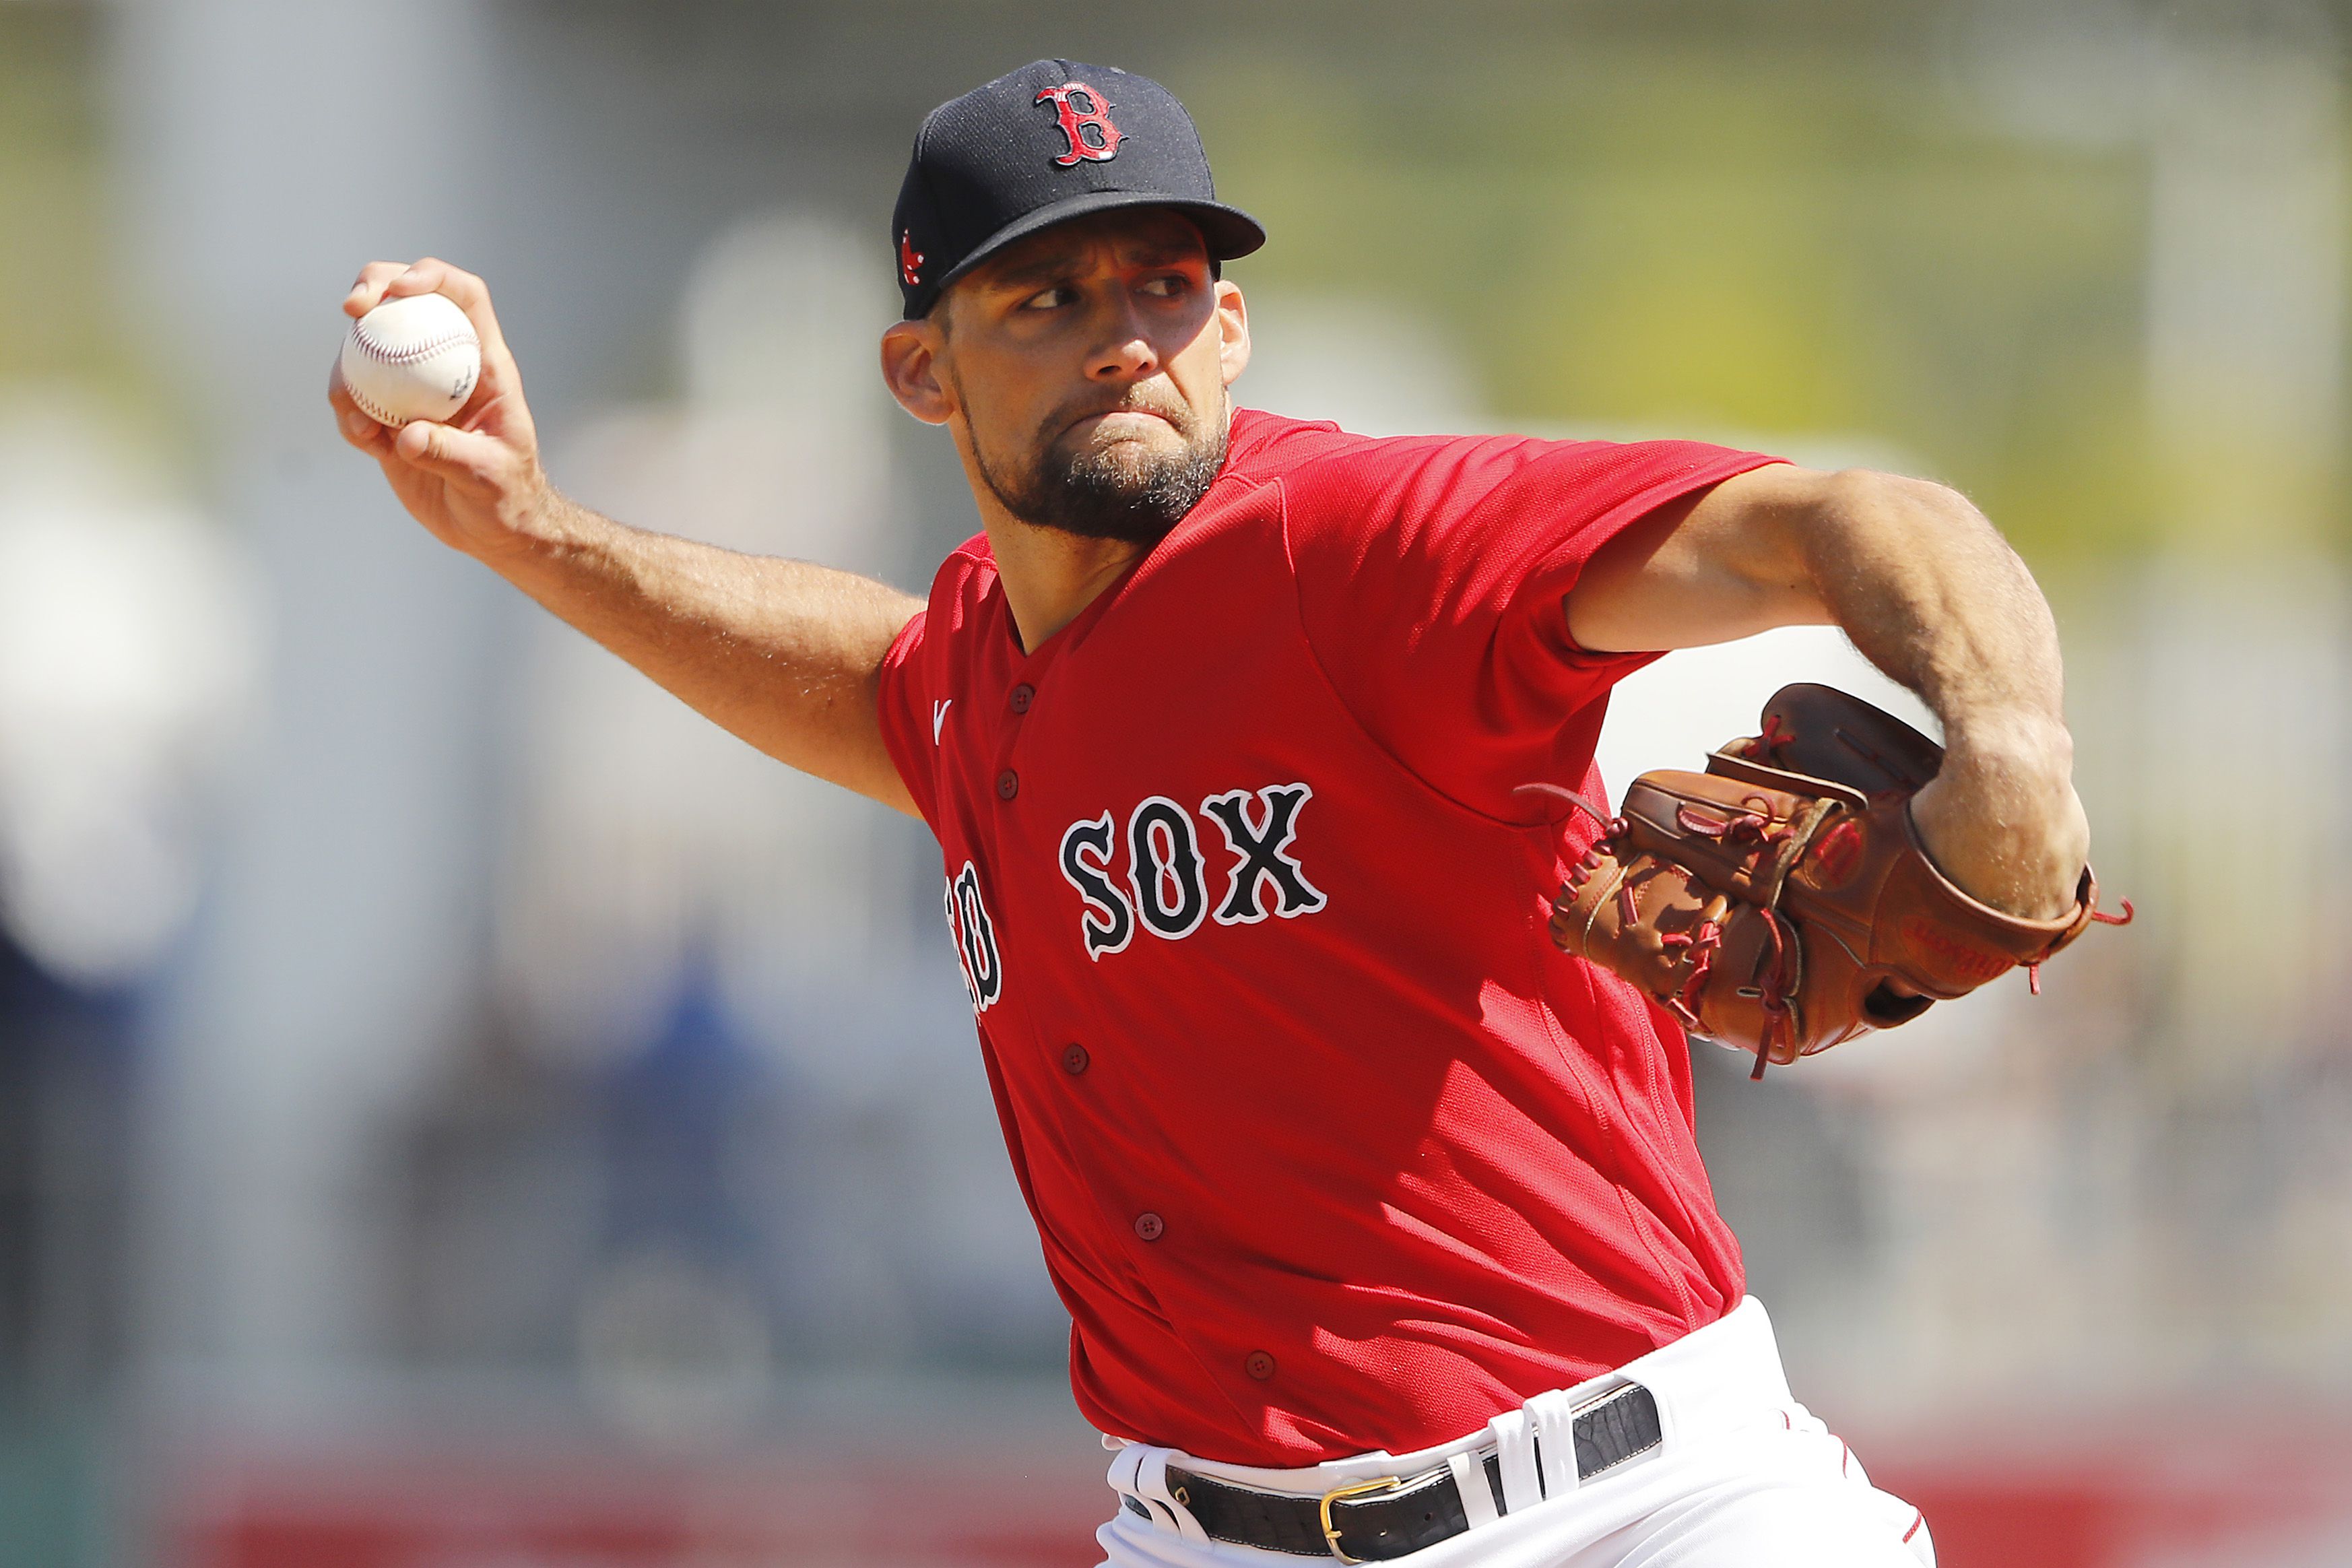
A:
{"x": 1353, "y": 1489}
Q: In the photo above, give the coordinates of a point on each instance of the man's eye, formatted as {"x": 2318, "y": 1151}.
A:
{"x": 1046, "y": 299}
{"x": 1168, "y": 287}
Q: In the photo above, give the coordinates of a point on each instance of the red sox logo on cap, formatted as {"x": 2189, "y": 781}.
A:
{"x": 910, "y": 260}
{"x": 1103, "y": 146}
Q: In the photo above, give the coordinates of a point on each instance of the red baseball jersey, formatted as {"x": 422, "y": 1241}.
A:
{"x": 1329, "y": 1147}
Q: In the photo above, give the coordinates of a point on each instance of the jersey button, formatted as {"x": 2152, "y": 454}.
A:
{"x": 1259, "y": 1364}
{"x": 1149, "y": 1226}
{"x": 1023, "y": 695}
{"x": 1075, "y": 1059}
{"x": 1008, "y": 784}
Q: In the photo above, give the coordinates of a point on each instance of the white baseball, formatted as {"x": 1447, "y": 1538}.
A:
{"x": 412, "y": 358}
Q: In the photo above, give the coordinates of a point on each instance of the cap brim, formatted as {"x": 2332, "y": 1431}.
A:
{"x": 1228, "y": 231}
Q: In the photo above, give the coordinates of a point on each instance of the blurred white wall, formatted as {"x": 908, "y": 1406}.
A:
{"x": 269, "y": 147}
{"x": 642, "y": 828}
{"x": 128, "y": 651}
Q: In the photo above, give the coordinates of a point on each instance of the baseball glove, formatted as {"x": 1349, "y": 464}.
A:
{"x": 1780, "y": 903}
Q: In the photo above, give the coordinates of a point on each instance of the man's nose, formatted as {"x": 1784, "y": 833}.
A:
{"x": 1125, "y": 354}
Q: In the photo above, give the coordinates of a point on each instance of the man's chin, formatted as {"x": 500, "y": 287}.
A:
{"x": 1121, "y": 478}
{"x": 1116, "y": 504}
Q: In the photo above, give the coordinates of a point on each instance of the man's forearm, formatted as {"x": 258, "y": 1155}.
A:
{"x": 1931, "y": 594}
{"x": 781, "y": 653}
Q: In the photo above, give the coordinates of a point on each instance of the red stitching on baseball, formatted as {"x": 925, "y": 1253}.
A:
{"x": 379, "y": 415}
{"x": 405, "y": 356}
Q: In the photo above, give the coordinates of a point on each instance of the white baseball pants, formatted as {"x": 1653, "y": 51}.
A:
{"x": 1745, "y": 1478}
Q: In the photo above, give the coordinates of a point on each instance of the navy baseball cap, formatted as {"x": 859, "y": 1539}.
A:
{"x": 1055, "y": 140}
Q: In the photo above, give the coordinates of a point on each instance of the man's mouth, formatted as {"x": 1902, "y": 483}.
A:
{"x": 1123, "y": 420}
{"x": 1116, "y": 417}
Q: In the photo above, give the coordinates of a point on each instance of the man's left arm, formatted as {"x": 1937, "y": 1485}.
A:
{"x": 1930, "y": 592}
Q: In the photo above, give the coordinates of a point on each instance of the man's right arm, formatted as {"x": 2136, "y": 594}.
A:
{"x": 785, "y": 655}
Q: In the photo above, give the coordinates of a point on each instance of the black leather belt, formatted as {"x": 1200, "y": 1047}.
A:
{"x": 1395, "y": 1516}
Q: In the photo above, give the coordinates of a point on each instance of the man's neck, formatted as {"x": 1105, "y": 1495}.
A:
{"x": 1049, "y": 576}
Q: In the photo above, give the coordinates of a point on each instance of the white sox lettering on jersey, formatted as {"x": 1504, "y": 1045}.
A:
{"x": 975, "y": 939}
{"x": 1166, "y": 891}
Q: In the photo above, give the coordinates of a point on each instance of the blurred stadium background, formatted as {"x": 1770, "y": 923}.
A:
{"x": 458, "y": 1112}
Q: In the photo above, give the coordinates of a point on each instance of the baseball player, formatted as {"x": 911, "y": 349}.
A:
{"x": 1378, "y": 1216}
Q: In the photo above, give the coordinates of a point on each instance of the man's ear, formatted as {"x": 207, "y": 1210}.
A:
{"x": 1232, "y": 330}
{"x": 911, "y": 369}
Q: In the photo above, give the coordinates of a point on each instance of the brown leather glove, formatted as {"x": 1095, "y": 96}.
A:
{"x": 1780, "y": 903}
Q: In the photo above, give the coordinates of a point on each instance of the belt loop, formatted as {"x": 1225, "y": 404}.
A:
{"x": 1470, "y": 1480}
{"x": 1554, "y": 1420}
{"x": 1124, "y": 1463}
{"x": 1515, "y": 1456}
{"x": 1151, "y": 1486}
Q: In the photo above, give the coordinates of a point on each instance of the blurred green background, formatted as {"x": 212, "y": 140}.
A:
{"x": 455, "y": 1110}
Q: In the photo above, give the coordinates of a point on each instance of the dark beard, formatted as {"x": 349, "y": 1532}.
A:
{"x": 1105, "y": 493}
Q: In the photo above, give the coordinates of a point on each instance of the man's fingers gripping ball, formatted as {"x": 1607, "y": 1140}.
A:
{"x": 467, "y": 457}
{"x": 357, "y": 429}
{"x": 368, "y": 288}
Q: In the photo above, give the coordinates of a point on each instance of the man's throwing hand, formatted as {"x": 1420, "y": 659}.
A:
{"x": 474, "y": 481}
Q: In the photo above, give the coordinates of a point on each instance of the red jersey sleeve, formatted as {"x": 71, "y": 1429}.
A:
{"x": 1430, "y": 575}
{"x": 899, "y": 696}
